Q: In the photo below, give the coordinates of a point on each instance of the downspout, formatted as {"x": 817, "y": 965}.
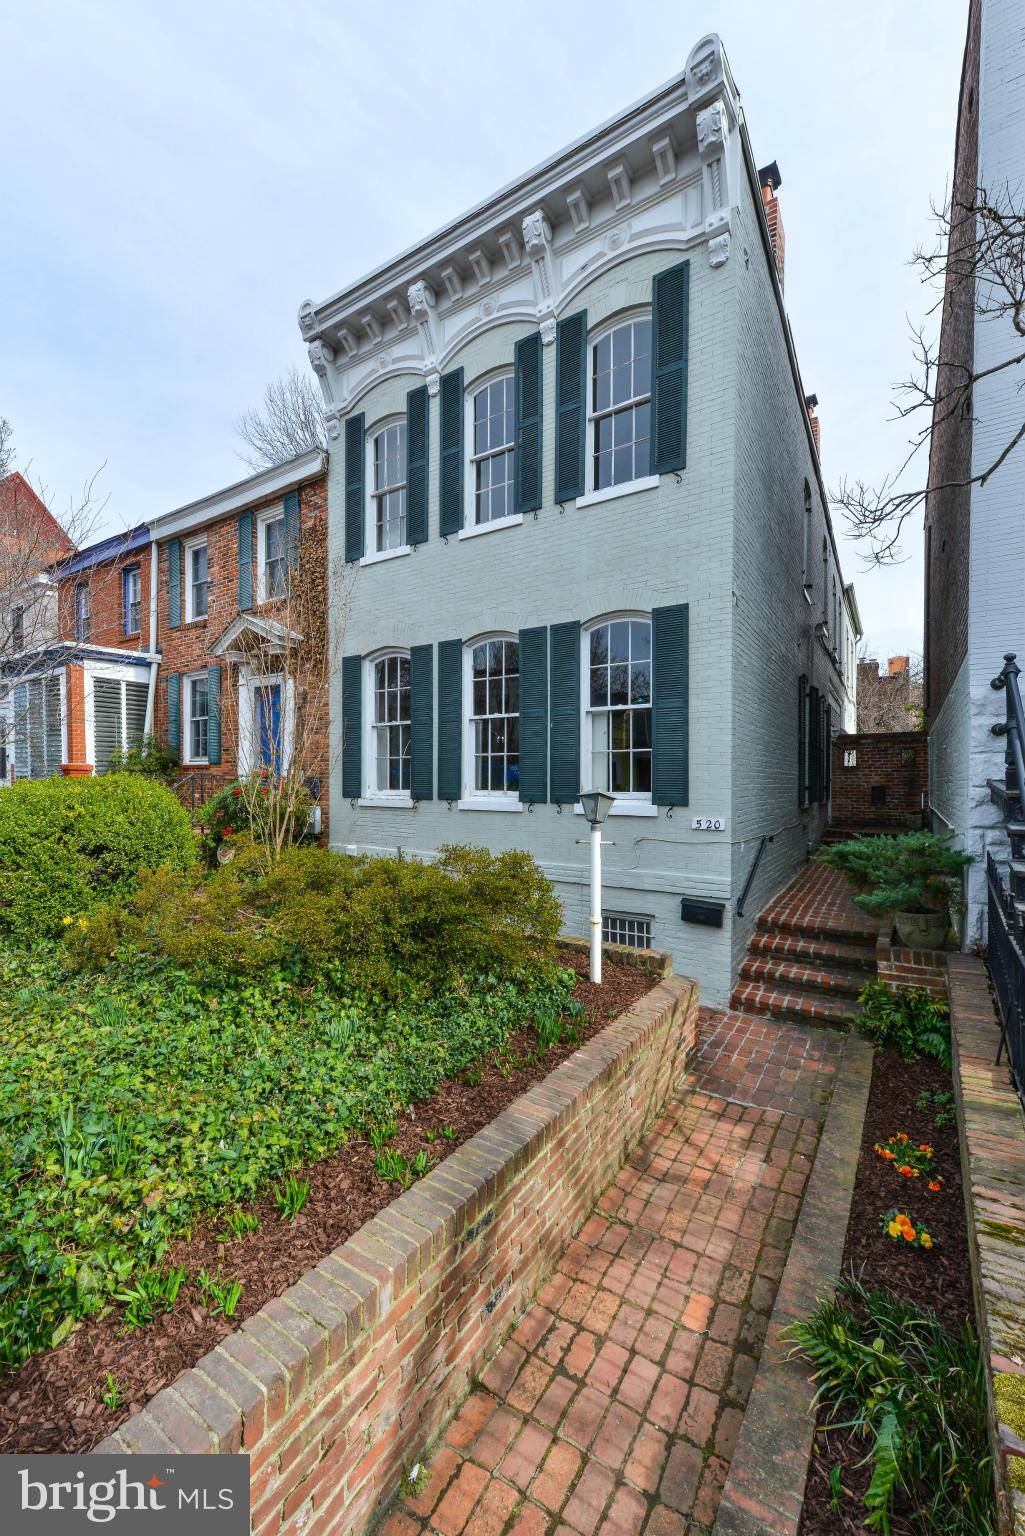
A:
{"x": 151, "y": 697}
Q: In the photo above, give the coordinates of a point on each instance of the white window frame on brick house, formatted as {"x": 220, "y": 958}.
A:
{"x": 249, "y": 684}
{"x": 600, "y": 411}
{"x": 131, "y": 598}
{"x": 264, "y": 521}
{"x": 189, "y": 682}
{"x": 83, "y": 613}
{"x": 375, "y": 494}
{"x": 475, "y": 461}
{"x": 189, "y": 550}
{"x": 372, "y": 795}
{"x": 627, "y": 801}
{"x": 473, "y": 798}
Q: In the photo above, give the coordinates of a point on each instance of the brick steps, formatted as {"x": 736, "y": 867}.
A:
{"x": 809, "y": 947}
{"x": 794, "y": 1007}
{"x": 841, "y": 929}
{"x": 797, "y": 976}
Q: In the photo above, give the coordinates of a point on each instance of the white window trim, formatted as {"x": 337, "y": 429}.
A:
{"x": 268, "y": 515}
{"x": 130, "y": 571}
{"x": 592, "y": 496}
{"x": 370, "y": 500}
{"x": 480, "y": 799}
{"x": 399, "y": 801}
{"x": 187, "y": 549}
{"x": 187, "y": 683}
{"x": 470, "y": 459}
{"x": 635, "y": 802}
{"x": 371, "y": 794}
{"x": 248, "y": 684}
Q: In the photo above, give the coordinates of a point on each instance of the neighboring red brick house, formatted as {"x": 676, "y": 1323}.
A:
{"x": 228, "y": 616}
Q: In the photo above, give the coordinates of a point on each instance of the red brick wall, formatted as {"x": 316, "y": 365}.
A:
{"x": 909, "y": 970}
{"x": 897, "y": 762}
{"x": 347, "y": 1379}
{"x": 75, "y": 722}
{"x": 106, "y": 589}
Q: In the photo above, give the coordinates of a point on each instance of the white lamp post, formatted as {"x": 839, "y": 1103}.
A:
{"x": 597, "y": 805}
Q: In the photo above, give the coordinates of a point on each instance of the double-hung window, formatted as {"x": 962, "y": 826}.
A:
{"x": 617, "y": 680}
{"x": 388, "y": 493}
{"x": 17, "y": 629}
{"x": 493, "y": 736}
{"x": 133, "y": 600}
{"x": 271, "y": 557}
{"x": 389, "y": 766}
{"x": 197, "y": 716}
{"x": 621, "y": 405}
{"x": 83, "y": 613}
{"x": 492, "y": 458}
{"x": 196, "y": 580}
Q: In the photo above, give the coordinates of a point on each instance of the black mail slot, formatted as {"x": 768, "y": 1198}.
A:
{"x": 696, "y": 909}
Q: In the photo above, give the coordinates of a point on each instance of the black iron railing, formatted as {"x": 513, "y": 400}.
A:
{"x": 768, "y": 838}
{"x": 1006, "y": 955}
{"x": 195, "y": 789}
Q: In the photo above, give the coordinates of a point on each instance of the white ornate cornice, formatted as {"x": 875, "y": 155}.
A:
{"x": 321, "y": 357}
{"x": 537, "y": 242}
{"x": 421, "y": 307}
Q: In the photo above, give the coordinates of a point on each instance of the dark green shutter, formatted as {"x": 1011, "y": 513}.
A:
{"x": 451, "y": 399}
{"x": 826, "y": 752}
{"x": 450, "y": 720}
{"x": 292, "y": 529}
{"x": 417, "y": 418}
{"x": 528, "y": 423}
{"x": 174, "y": 715}
{"x": 802, "y": 741}
{"x": 670, "y": 301}
{"x": 352, "y": 727}
{"x": 814, "y": 746}
{"x": 534, "y": 714}
{"x": 355, "y": 518}
{"x": 670, "y": 688}
{"x": 213, "y": 724}
{"x": 570, "y": 405}
{"x": 245, "y": 561}
{"x": 564, "y": 746}
{"x": 174, "y": 584}
{"x": 421, "y": 722}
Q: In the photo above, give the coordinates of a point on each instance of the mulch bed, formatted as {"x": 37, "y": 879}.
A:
{"x": 52, "y": 1402}
{"x": 939, "y": 1279}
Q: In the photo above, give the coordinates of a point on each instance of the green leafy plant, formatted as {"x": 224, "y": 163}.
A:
{"x": 112, "y": 1395}
{"x": 421, "y": 1164}
{"x": 938, "y": 1103}
{"x": 380, "y": 1135}
{"x": 910, "y": 873}
{"x": 393, "y": 1168}
{"x": 910, "y": 1021}
{"x": 147, "y": 756}
{"x": 219, "y": 1295}
{"x": 152, "y": 1290}
{"x": 917, "y": 1393}
{"x": 450, "y": 1133}
{"x": 290, "y": 1196}
{"x": 238, "y": 1224}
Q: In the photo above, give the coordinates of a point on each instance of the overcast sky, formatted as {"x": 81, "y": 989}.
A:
{"x": 177, "y": 178}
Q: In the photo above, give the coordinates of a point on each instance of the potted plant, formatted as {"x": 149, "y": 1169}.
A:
{"x": 908, "y": 880}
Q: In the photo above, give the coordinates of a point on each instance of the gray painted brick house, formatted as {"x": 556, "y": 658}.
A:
{"x": 573, "y": 481}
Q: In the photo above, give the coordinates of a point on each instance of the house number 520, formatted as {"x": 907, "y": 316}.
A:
{"x": 708, "y": 823}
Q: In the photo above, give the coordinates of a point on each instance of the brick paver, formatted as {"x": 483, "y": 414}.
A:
{"x": 615, "y": 1405}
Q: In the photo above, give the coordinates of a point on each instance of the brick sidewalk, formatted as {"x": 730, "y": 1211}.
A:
{"x": 615, "y": 1405}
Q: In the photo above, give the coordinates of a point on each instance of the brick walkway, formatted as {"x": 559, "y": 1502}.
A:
{"x": 615, "y": 1405}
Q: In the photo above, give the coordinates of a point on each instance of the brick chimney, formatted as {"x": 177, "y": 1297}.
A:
{"x": 897, "y": 666}
{"x": 771, "y": 182}
{"x": 811, "y": 403}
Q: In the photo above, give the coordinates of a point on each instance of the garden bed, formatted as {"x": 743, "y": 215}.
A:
{"x": 939, "y": 1279}
{"x": 53, "y": 1401}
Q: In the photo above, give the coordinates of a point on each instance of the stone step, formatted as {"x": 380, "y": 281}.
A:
{"x": 777, "y": 919}
{"x": 796, "y": 977}
{"x": 794, "y": 1007}
{"x": 809, "y": 946}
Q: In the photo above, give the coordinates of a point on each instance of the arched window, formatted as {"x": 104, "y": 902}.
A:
{"x": 492, "y": 455}
{"x": 620, "y": 405}
{"x": 617, "y": 705}
{"x": 387, "y": 755}
{"x": 492, "y": 694}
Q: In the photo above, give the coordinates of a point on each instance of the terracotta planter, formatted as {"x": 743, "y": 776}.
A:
{"x": 922, "y": 930}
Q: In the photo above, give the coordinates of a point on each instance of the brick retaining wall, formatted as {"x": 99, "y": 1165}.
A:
{"x": 884, "y": 784}
{"x": 344, "y": 1381}
{"x": 912, "y": 969}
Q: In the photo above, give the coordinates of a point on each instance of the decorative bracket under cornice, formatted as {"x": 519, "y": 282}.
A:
{"x": 537, "y": 241}
{"x": 321, "y": 357}
{"x": 713, "y": 131}
{"x": 421, "y": 307}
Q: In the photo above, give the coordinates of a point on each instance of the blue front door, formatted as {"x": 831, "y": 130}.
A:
{"x": 268, "y": 705}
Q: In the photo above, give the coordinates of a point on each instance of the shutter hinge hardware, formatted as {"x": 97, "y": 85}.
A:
{"x": 669, "y": 813}
{"x": 416, "y": 805}
{"x": 530, "y": 807}
{"x": 679, "y": 477}
{"x": 444, "y": 538}
{"x": 353, "y": 803}
{"x": 451, "y": 804}
{"x": 562, "y": 507}
{"x": 558, "y": 808}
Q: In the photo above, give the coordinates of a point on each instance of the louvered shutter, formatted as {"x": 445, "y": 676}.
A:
{"x": 564, "y": 742}
{"x": 450, "y": 719}
{"x": 570, "y": 405}
{"x": 670, "y": 704}
{"x": 802, "y": 741}
{"x": 355, "y": 509}
{"x": 825, "y": 744}
{"x": 417, "y": 421}
{"x": 136, "y": 697}
{"x": 245, "y": 561}
{"x": 528, "y": 423}
{"x": 36, "y": 731}
{"x": 815, "y": 763}
{"x": 670, "y": 302}
{"x": 213, "y": 724}
{"x": 829, "y": 751}
{"x": 22, "y": 763}
{"x": 54, "y": 741}
{"x": 174, "y": 584}
{"x": 292, "y": 529}
{"x": 451, "y": 400}
{"x": 534, "y": 714}
{"x": 108, "y": 722}
{"x": 352, "y": 727}
{"x": 174, "y": 715}
{"x": 421, "y": 722}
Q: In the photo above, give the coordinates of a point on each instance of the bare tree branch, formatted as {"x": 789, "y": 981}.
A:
{"x": 289, "y": 421}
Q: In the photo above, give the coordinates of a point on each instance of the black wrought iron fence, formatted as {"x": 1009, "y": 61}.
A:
{"x": 1007, "y": 967}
